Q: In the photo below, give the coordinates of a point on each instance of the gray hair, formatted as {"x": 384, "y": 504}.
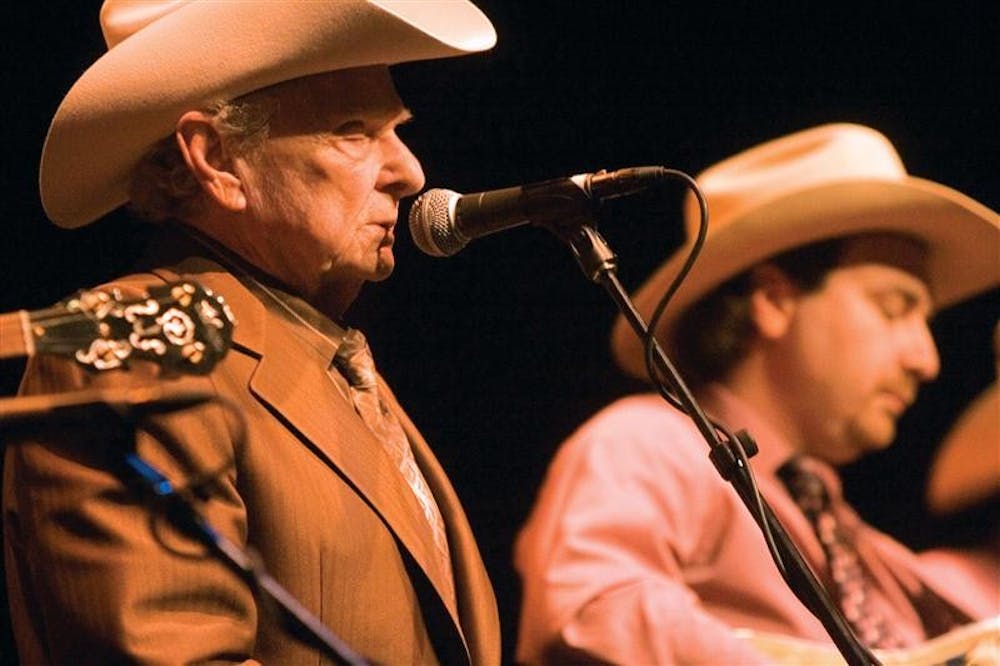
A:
{"x": 162, "y": 186}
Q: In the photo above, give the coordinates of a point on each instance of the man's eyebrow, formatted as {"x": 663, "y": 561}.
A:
{"x": 913, "y": 295}
{"x": 404, "y": 116}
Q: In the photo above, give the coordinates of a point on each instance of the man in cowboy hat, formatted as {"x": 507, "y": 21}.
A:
{"x": 262, "y": 135}
{"x": 804, "y": 322}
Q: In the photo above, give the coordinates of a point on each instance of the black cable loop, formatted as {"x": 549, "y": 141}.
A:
{"x": 661, "y": 378}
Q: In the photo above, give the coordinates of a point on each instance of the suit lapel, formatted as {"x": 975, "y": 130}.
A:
{"x": 304, "y": 395}
{"x": 476, "y": 602}
{"x": 291, "y": 379}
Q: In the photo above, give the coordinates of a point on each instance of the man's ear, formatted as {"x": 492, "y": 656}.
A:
{"x": 773, "y": 299}
{"x": 202, "y": 147}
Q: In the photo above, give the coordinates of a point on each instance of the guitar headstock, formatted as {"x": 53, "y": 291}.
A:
{"x": 180, "y": 326}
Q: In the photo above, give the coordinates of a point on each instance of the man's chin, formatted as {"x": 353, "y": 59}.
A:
{"x": 874, "y": 442}
{"x": 382, "y": 271}
{"x": 385, "y": 262}
{"x": 861, "y": 442}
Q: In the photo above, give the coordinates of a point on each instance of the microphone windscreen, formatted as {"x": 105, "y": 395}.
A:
{"x": 432, "y": 223}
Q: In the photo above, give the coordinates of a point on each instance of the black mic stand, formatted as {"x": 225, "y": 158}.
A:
{"x": 599, "y": 264}
{"x": 179, "y": 506}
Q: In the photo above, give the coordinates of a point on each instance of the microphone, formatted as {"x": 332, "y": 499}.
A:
{"x": 82, "y": 405}
{"x": 442, "y": 222}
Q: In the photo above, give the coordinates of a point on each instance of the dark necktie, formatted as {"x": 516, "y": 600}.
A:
{"x": 354, "y": 360}
{"x": 851, "y": 585}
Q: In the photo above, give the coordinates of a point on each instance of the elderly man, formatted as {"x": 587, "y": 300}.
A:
{"x": 804, "y": 322}
{"x": 263, "y": 135}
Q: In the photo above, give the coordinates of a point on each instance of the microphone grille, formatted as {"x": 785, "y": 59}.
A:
{"x": 432, "y": 223}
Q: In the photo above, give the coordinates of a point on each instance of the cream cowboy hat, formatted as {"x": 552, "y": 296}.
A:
{"x": 169, "y": 56}
{"x": 825, "y": 182}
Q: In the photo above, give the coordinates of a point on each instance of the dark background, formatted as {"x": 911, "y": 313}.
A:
{"x": 499, "y": 352}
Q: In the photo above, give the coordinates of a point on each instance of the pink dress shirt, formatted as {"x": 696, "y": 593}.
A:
{"x": 637, "y": 552}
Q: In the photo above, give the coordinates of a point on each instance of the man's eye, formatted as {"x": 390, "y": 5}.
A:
{"x": 894, "y": 305}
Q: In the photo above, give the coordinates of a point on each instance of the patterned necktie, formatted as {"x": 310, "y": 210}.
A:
{"x": 354, "y": 360}
{"x": 809, "y": 491}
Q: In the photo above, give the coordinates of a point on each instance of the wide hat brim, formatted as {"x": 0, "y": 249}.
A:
{"x": 966, "y": 469}
{"x": 205, "y": 51}
{"x": 960, "y": 233}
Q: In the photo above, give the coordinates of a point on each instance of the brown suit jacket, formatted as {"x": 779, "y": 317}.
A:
{"x": 95, "y": 576}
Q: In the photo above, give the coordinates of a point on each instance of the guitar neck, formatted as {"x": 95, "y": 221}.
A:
{"x": 16, "y": 340}
{"x": 180, "y": 326}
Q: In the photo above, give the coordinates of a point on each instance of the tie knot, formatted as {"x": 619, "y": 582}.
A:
{"x": 354, "y": 360}
{"x": 805, "y": 486}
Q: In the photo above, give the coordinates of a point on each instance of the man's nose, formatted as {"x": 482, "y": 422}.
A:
{"x": 404, "y": 175}
{"x": 920, "y": 354}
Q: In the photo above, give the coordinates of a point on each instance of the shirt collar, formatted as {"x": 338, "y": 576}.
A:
{"x": 315, "y": 328}
{"x": 774, "y": 449}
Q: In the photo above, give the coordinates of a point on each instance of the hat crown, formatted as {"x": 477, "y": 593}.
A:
{"x": 166, "y": 57}
{"x": 831, "y": 181}
{"x": 815, "y": 157}
{"x": 123, "y": 18}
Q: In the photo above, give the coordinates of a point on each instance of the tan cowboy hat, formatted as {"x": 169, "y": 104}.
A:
{"x": 966, "y": 467}
{"x": 166, "y": 57}
{"x": 829, "y": 181}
